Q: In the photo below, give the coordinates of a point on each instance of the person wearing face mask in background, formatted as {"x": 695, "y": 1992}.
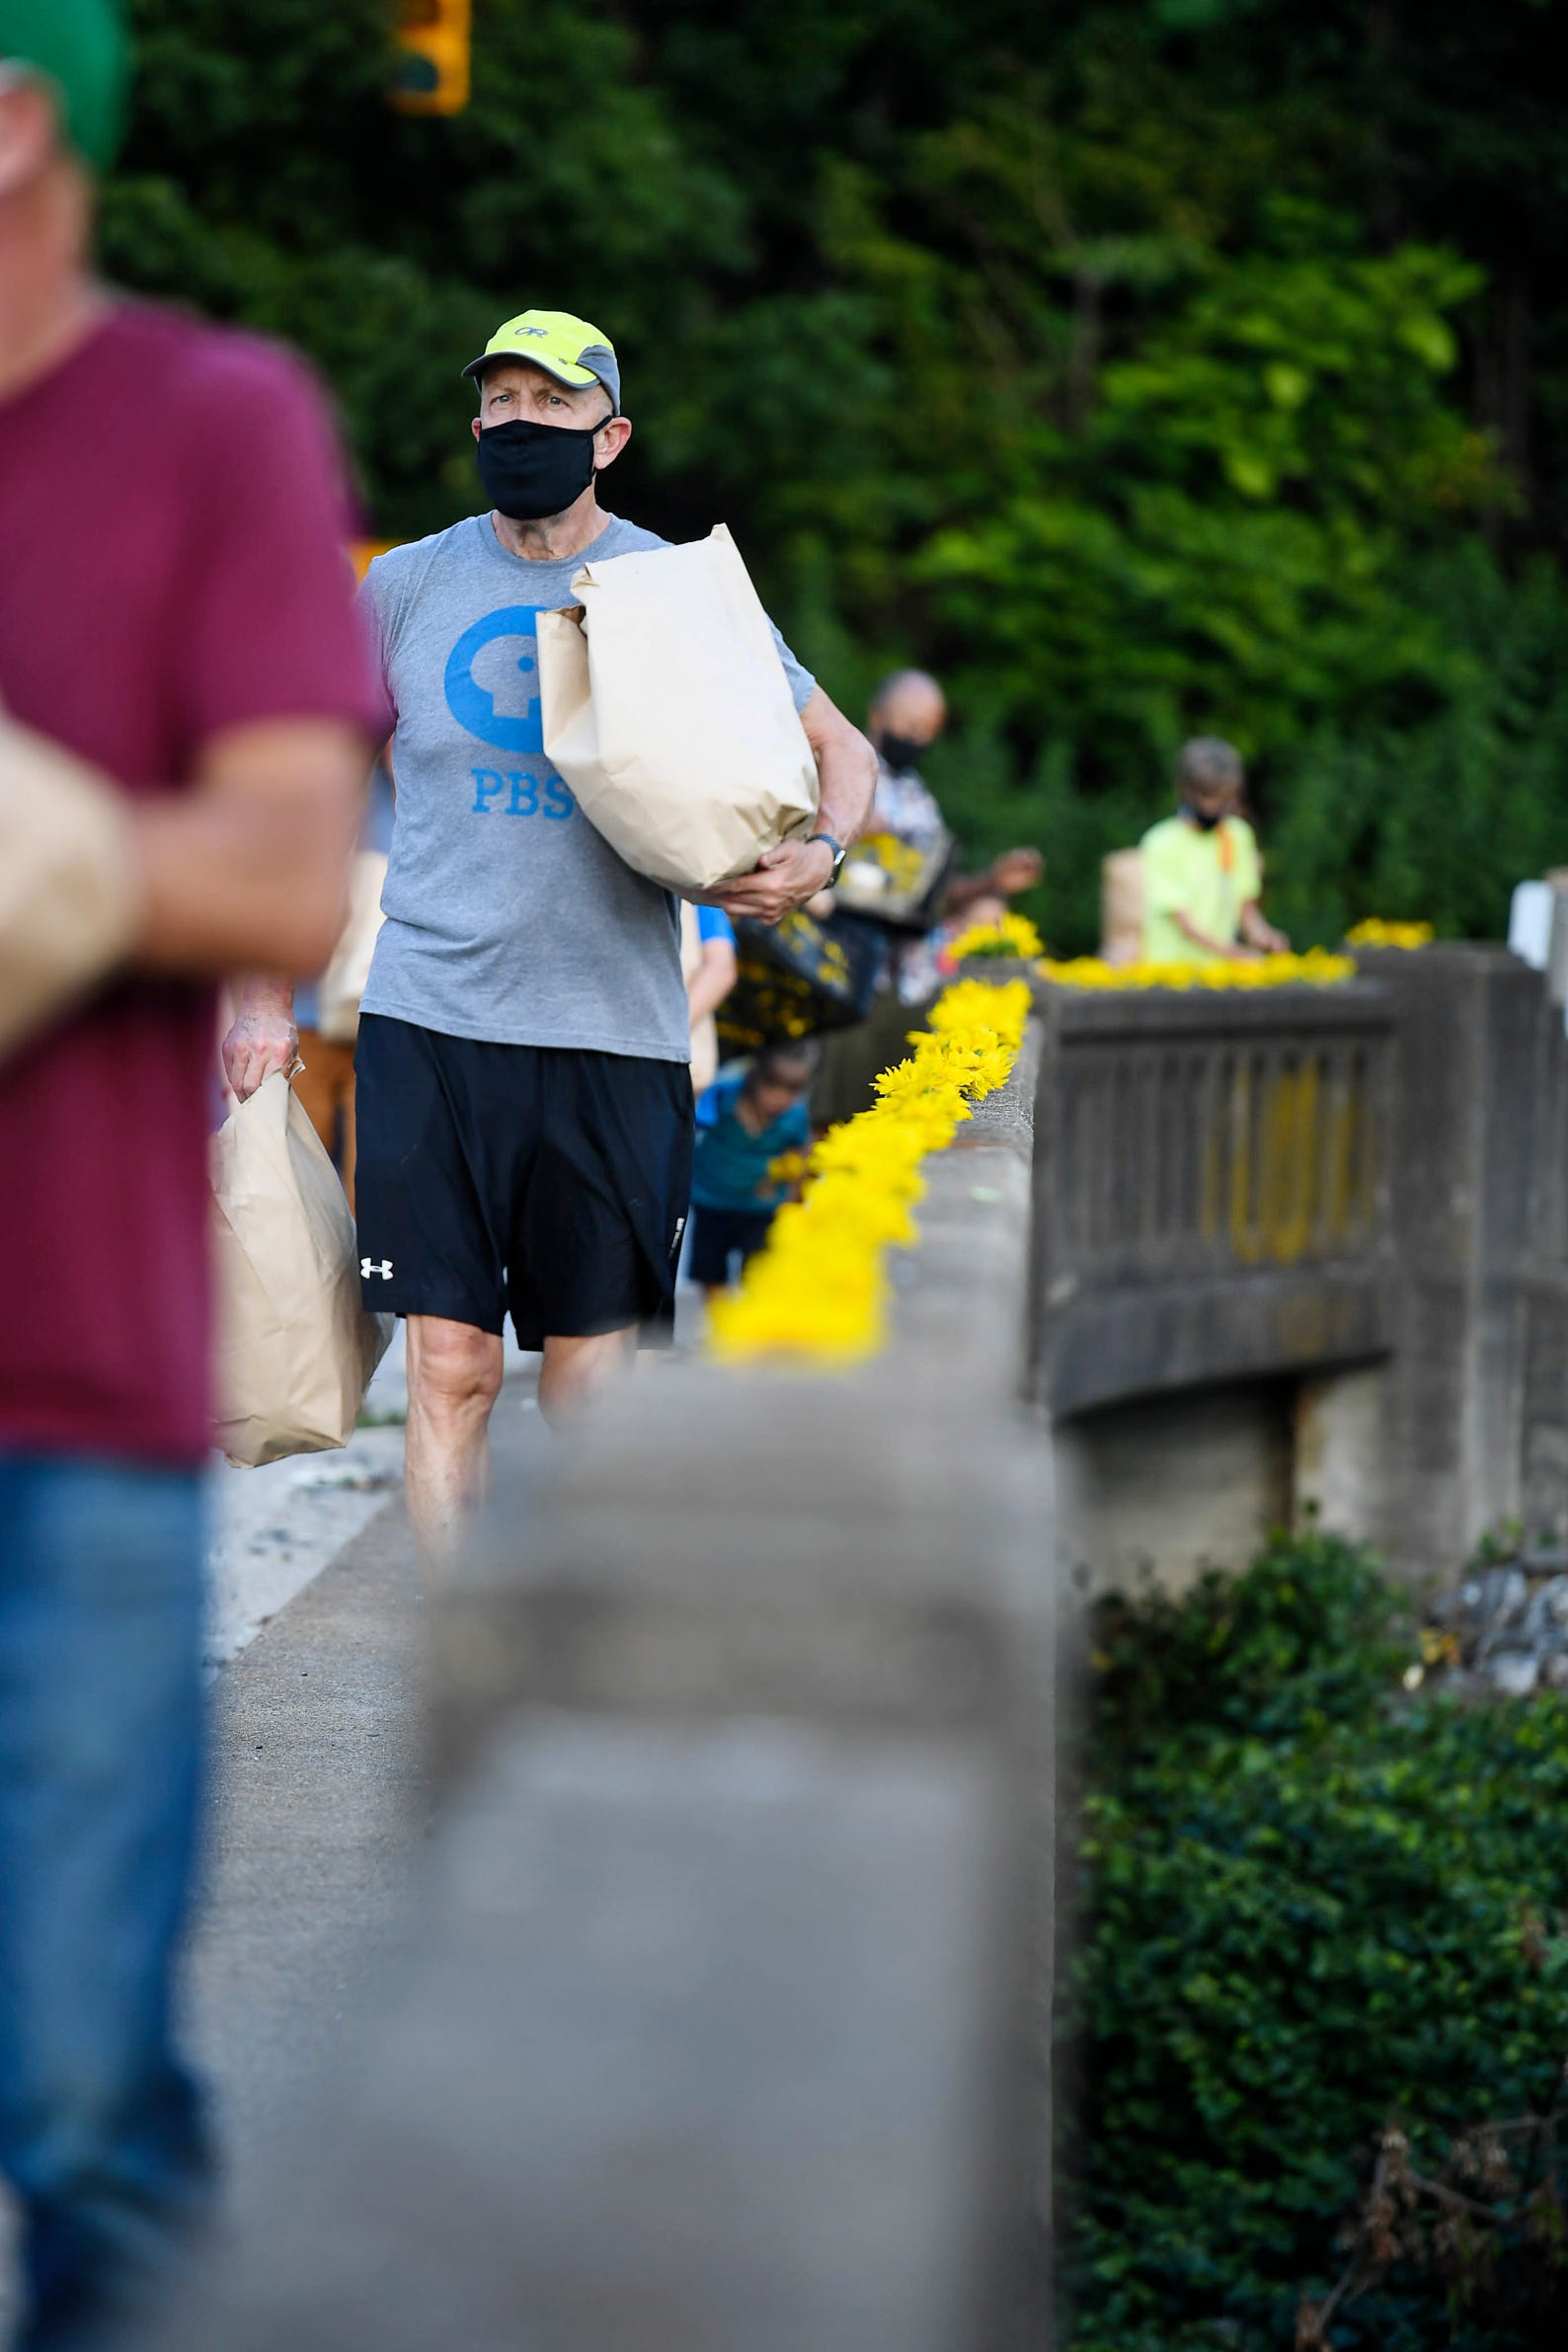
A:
{"x": 1202, "y": 878}
{"x": 899, "y": 884}
{"x": 525, "y": 1115}
{"x": 908, "y": 713}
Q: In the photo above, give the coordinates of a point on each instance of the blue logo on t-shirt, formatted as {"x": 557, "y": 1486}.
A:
{"x": 474, "y": 706}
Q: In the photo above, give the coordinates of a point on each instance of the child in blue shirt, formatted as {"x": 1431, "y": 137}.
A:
{"x": 744, "y": 1119}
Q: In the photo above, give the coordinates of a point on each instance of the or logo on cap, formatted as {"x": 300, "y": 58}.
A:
{"x": 537, "y": 332}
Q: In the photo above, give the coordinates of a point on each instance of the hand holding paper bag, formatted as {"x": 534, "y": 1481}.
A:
{"x": 667, "y": 711}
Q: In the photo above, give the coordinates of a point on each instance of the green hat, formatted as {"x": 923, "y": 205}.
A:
{"x": 83, "y": 48}
{"x": 568, "y": 349}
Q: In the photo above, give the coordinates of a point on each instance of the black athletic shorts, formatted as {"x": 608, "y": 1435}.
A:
{"x": 715, "y": 1235}
{"x": 543, "y": 1180}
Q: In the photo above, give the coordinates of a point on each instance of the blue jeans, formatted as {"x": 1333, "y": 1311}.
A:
{"x": 101, "y": 2135}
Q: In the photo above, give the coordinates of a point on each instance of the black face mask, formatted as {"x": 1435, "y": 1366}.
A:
{"x": 900, "y": 750}
{"x": 1208, "y": 819}
{"x": 534, "y": 470}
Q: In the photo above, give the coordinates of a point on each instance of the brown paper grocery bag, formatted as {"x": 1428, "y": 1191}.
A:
{"x": 69, "y": 900}
{"x": 666, "y": 710}
{"x": 295, "y": 1348}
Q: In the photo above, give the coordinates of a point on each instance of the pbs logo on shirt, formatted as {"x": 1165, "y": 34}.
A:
{"x": 492, "y": 691}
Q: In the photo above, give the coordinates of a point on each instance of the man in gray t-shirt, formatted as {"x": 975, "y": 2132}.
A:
{"x": 524, "y": 1110}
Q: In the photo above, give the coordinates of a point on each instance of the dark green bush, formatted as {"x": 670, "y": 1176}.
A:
{"x": 1316, "y": 1908}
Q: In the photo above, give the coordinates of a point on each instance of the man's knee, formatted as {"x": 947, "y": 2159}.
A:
{"x": 575, "y": 1369}
{"x": 453, "y": 1367}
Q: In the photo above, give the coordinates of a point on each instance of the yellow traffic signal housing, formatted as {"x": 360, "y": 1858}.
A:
{"x": 431, "y": 69}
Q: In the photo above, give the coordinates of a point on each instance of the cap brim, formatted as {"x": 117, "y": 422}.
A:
{"x": 577, "y": 378}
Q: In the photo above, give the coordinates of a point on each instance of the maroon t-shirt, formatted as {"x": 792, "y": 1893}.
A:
{"x": 171, "y": 565}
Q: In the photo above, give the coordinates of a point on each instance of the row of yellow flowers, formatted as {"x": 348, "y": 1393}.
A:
{"x": 1015, "y": 937}
{"x": 818, "y": 1291}
{"x": 1373, "y": 933}
{"x": 1317, "y": 969}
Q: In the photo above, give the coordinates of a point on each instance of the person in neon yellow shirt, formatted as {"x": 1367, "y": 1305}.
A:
{"x": 1202, "y": 878}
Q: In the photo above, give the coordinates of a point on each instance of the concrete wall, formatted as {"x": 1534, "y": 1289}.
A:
{"x": 1364, "y": 1190}
{"x": 1167, "y": 1486}
{"x": 725, "y": 2022}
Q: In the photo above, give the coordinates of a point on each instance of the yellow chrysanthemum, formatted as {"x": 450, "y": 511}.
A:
{"x": 818, "y": 1293}
{"x": 1373, "y": 933}
{"x": 1011, "y": 935}
{"x": 1316, "y": 969}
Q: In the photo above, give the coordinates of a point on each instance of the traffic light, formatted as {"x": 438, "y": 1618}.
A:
{"x": 429, "y": 74}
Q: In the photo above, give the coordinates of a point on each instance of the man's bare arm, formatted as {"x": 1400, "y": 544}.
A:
{"x": 1231, "y": 951}
{"x": 713, "y": 979}
{"x": 846, "y": 772}
{"x": 1259, "y": 933}
{"x": 263, "y": 1036}
{"x": 250, "y": 869}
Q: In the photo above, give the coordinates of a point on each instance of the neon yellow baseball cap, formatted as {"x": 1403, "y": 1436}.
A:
{"x": 571, "y": 350}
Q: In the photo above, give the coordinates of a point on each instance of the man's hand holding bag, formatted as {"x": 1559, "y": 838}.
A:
{"x": 668, "y": 712}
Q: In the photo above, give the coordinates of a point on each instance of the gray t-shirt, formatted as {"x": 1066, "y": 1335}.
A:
{"x": 507, "y": 917}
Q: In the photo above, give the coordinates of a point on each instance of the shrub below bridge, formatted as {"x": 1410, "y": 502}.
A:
{"x": 1322, "y": 1984}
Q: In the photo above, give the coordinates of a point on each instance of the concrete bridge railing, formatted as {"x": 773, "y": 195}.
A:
{"x": 1212, "y": 1186}
{"x": 726, "y": 2020}
{"x": 1353, "y": 1202}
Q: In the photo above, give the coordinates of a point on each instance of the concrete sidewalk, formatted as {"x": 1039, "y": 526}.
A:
{"x": 318, "y": 1811}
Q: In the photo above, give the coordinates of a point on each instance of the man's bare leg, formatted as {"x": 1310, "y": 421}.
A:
{"x": 455, "y": 1378}
{"x": 575, "y": 1369}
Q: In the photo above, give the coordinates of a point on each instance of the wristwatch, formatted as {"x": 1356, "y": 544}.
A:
{"x": 839, "y": 855}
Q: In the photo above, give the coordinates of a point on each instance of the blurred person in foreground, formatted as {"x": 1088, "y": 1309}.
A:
{"x": 1202, "y": 877}
{"x": 747, "y": 1119}
{"x": 173, "y": 610}
{"x": 524, "y": 1105}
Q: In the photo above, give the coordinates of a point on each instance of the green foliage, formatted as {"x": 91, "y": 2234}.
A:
{"x": 1144, "y": 365}
{"x": 1315, "y": 1908}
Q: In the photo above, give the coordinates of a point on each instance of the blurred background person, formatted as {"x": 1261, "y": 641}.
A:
{"x": 900, "y": 884}
{"x": 1202, "y": 875}
{"x": 906, "y": 715}
{"x": 709, "y": 966}
{"x": 748, "y": 1117}
{"x": 174, "y": 610}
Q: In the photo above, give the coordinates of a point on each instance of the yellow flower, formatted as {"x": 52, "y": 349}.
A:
{"x": 1373, "y": 933}
{"x": 1011, "y": 935}
{"x": 788, "y": 1168}
{"x": 818, "y": 1293}
{"x": 1317, "y": 969}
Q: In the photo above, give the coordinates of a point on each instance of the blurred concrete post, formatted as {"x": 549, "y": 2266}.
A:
{"x": 725, "y": 2029}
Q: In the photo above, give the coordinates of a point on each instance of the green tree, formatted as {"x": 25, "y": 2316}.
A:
{"x": 1139, "y": 364}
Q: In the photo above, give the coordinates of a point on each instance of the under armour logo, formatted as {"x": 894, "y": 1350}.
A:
{"x": 369, "y": 1266}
